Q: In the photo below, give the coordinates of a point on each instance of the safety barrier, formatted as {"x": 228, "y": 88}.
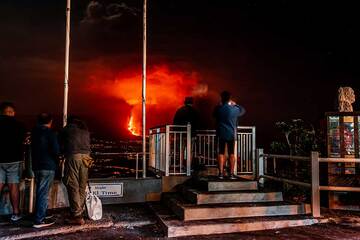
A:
{"x": 170, "y": 149}
{"x": 206, "y": 148}
{"x": 314, "y": 181}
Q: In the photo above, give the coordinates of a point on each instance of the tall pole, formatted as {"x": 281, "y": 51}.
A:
{"x": 144, "y": 90}
{"x": 67, "y": 49}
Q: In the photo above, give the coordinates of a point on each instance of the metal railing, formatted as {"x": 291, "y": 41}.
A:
{"x": 206, "y": 149}
{"x": 170, "y": 149}
{"x": 339, "y": 188}
{"x": 314, "y": 182}
{"x": 136, "y": 156}
{"x": 245, "y": 145}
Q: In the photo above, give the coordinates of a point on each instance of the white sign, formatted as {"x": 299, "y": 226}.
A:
{"x": 107, "y": 189}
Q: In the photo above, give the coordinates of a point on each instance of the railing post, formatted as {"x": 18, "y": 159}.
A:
{"x": 144, "y": 166}
{"x": 31, "y": 197}
{"x": 189, "y": 150}
{"x": 253, "y": 151}
{"x": 315, "y": 189}
{"x": 137, "y": 166}
{"x": 167, "y": 150}
{"x": 260, "y": 164}
{"x": 236, "y": 154}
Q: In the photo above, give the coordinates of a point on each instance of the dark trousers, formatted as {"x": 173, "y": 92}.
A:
{"x": 75, "y": 180}
{"x": 43, "y": 180}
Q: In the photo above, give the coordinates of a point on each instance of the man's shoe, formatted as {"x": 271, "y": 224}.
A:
{"x": 221, "y": 177}
{"x": 232, "y": 177}
{"x": 75, "y": 221}
{"x": 45, "y": 223}
{"x": 15, "y": 217}
{"x": 50, "y": 216}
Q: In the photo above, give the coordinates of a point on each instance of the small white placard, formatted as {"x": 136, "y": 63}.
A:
{"x": 107, "y": 189}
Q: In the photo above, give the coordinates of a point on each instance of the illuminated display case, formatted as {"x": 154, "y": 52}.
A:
{"x": 343, "y": 130}
{"x": 343, "y": 140}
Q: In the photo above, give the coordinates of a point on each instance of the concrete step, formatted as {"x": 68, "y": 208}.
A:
{"x": 213, "y": 184}
{"x": 203, "y": 197}
{"x": 173, "y": 227}
{"x": 189, "y": 212}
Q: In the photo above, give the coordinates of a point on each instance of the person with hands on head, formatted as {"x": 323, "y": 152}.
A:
{"x": 227, "y": 114}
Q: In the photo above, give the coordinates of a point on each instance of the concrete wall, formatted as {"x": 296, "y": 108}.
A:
{"x": 134, "y": 190}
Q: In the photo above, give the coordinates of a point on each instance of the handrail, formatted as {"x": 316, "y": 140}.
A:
{"x": 303, "y": 184}
{"x": 339, "y": 189}
{"x": 340, "y": 160}
{"x": 290, "y": 157}
{"x": 245, "y": 127}
{"x": 116, "y": 153}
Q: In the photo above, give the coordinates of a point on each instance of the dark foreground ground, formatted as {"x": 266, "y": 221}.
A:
{"x": 137, "y": 222}
{"x": 320, "y": 232}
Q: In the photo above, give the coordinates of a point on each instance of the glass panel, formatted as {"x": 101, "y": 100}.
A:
{"x": 334, "y": 137}
{"x": 349, "y": 143}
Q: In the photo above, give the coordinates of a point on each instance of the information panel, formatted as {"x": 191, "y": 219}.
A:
{"x": 104, "y": 190}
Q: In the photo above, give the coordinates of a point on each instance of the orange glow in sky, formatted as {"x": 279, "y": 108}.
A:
{"x": 166, "y": 89}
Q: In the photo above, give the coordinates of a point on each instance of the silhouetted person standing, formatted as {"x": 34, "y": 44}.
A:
{"x": 187, "y": 114}
{"x": 45, "y": 160}
{"x": 12, "y": 135}
{"x": 226, "y": 115}
{"x": 75, "y": 140}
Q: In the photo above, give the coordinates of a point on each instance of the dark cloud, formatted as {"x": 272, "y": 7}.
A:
{"x": 97, "y": 12}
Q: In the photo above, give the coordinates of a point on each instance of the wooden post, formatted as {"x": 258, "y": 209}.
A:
{"x": 260, "y": 164}
{"x": 315, "y": 188}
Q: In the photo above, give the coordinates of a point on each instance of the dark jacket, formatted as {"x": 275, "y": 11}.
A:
{"x": 12, "y": 135}
{"x": 74, "y": 140}
{"x": 227, "y": 120}
{"x": 45, "y": 149}
{"x": 187, "y": 114}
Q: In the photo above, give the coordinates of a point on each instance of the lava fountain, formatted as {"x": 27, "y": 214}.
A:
{"x": 132, "y": 128}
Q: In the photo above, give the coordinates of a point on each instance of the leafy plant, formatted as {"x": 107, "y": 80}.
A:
{"x": 300, "y": 137}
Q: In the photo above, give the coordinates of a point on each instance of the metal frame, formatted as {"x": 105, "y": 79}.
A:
{"x": 206, "y": 148}
{"x": 136, "y": 156}
{"x": 170, "y": 146}
{"x": 315, "y": 182}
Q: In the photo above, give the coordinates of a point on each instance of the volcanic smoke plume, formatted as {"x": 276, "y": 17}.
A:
{"x": 166, "y": 90}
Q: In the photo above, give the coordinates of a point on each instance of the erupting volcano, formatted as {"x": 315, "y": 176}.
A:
{"x": 131, "y": 127}
{"x": 166, "y": 90}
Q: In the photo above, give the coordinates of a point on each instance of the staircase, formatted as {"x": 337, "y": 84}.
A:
{"x": 212, "y": 206}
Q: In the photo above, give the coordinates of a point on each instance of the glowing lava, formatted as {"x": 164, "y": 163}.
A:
{"x": 132, "y": 128}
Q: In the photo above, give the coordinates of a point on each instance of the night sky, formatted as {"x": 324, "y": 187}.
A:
{"x": 280, "y": 59}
